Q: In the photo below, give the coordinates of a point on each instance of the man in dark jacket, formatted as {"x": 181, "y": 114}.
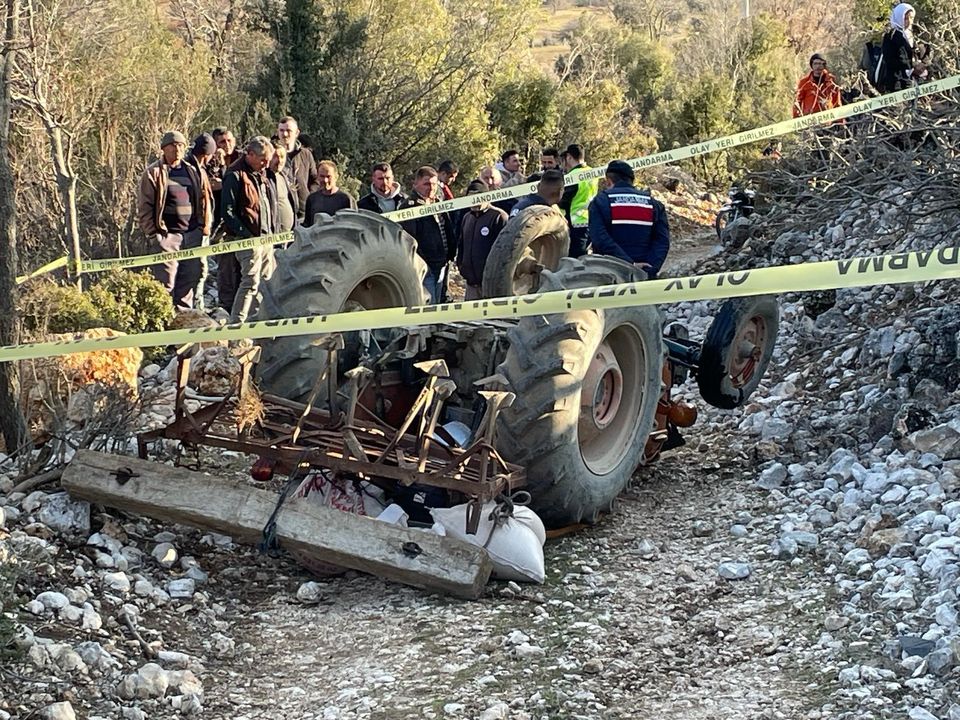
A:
{"x": 434, "y": 234}
{"x": 629, "y": 224}
{"x": 385, "y": 195}
{"x": 200, "y": 156}
{"x": 173, "y": 207}
{"x": 329, "y": 199}
{"x": 301, "y": 169}
{"x": 479, "y": 229}
{"x": 549, "y": 191}
{"x": 228, "y": 269}
{"x": 224, "y": 156}
{"x": 249, "y": 209}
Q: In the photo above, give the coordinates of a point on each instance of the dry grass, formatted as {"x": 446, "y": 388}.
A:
{"x": 250, "y": 410}
{"x": 548, "y": 40}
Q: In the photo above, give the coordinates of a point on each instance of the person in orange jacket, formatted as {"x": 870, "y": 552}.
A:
{"x": 817, "y": 90}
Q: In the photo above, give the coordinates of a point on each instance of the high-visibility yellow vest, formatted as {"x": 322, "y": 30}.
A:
{"x": 586, "y": 191}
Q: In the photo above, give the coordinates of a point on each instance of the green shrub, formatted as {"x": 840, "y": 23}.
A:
{"x": 122, "y": 300}
{"x": 132, "y": 302}
{"x": 50, "y": 308}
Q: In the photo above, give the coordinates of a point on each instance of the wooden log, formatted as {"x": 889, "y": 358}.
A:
{"x": 175, "y": 495}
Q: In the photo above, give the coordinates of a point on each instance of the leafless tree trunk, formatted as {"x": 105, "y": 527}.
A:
{"x": 12, "y": 424}
{"x": 61, "y": 146}
{"x": 60, "y": 153}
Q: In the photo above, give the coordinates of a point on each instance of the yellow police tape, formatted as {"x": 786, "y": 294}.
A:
{"x": 920, "y": 266}
{"x": 661, "y": 158}
{"x": 44, "y": 269}
{"x": 87, "y": 266}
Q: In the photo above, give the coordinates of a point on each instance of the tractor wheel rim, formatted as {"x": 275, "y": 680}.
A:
{"x": 378, "y": 290}
{"x": 746, "y": 350}
{"x": 611, "y": 397}
{"x": 607, "y": 395}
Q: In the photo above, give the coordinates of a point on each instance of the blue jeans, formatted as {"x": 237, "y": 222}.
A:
{"x": 434, "y": 282}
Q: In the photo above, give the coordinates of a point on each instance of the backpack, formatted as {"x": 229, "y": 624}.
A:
{"x": 871, "y": 61}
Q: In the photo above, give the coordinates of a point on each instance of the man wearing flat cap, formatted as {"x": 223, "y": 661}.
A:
{"x": 629, "y": 224}
{"x": 174, "y": 209}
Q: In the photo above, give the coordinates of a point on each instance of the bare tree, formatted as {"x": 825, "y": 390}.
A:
{"x": 33, "y": 61}
{"x": 12, "y": 424}
{"x": 223, "y": 27}
{"x": 655, "y": 16}
{"x": 101, "y": 81}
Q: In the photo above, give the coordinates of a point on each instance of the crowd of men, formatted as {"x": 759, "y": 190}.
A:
{"x": 210, "y": 188}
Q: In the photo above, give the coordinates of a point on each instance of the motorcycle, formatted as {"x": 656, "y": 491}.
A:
{"x": 740, "y": 204}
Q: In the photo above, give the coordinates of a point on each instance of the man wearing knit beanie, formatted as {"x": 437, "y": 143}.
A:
{"x": 174, "y": 210}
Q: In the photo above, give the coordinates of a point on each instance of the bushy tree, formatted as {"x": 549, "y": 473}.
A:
{"x": 600, "y": 118}
{"x": 607, "y": 86}
{"x": 524, "y": 112}
{"x": 753, "y": 86}
{"x": 373, "y": 90}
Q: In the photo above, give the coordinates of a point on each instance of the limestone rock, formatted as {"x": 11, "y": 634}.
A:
{"x": 65, "y": 515}
{"x": 942, "y": 440}
{"x": 214, "y": 371}
{"x": 58, "y": 711}
{"x": 150, "y": 681}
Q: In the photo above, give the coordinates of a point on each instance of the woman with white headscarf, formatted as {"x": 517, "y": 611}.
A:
{"x": 899, "y": 67}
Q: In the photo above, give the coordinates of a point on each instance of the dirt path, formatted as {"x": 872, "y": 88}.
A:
{"x": 686, "y": 251}
{"x": 632, "y": 622}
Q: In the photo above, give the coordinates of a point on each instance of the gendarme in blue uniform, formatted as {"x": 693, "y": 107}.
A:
{"x": 630, "y": 225}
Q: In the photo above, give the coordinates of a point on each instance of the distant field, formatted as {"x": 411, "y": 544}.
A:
{"x": 548, "y": 44}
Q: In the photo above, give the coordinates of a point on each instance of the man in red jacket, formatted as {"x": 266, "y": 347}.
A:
{"x": 817, "y": 90}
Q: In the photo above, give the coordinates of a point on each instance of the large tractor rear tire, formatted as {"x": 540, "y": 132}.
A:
{"x": 587, "y": 384}
{"x": 536, "y": 237}
{"x": 357, "y": 260}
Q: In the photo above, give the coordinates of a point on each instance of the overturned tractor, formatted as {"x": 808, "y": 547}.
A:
{"x": 565, "y": 406}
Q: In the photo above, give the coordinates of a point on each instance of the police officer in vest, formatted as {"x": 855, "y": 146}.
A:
{"x": 576, "y": 199}
{"x": 629, "y": 224}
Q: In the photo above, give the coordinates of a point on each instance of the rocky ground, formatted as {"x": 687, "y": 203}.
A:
{"x": 798, "y": 558}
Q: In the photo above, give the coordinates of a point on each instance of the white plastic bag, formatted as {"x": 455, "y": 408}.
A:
{"x": 357, "y": 499}
{"x": 322, "y": 488}
{"x": 515, "y": 545}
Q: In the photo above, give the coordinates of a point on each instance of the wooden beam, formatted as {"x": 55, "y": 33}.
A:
{"x": 175, "y": 495}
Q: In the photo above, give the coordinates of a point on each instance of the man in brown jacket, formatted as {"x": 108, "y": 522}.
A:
{"x": 175, "y": 212}
{"x": 250, "y": 210}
